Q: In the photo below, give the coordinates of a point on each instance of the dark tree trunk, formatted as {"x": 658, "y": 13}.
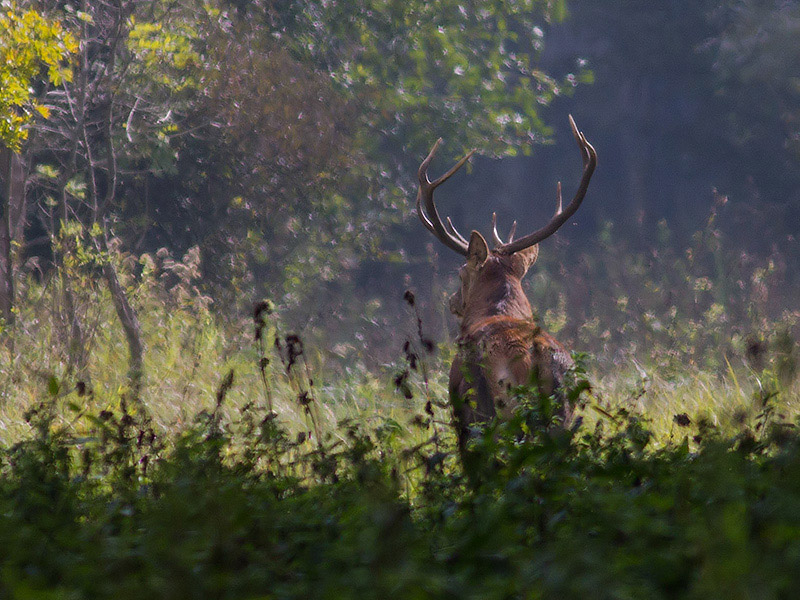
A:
{"x": 130, "y": 324}
{"x": 12, "y": 176}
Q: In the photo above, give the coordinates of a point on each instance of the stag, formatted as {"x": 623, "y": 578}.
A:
{"x": 500, "y": 344}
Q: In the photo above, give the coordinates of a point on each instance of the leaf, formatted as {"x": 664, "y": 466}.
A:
{"x": 53, "y": 386}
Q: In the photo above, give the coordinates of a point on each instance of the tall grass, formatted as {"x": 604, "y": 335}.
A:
{"x": 254, "y": 465}
{"x": 668, "y": 332}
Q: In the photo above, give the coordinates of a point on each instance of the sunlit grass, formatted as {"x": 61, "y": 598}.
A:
{"x": 189, "y": 351}
{"x": 189, "y": 354}
{"x": 728, "y": 402}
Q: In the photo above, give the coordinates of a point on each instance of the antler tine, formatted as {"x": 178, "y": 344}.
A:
{"x": 432, "y": 221}
{"x": 589, "y": 156}
{"x": 580, "y": 138}
{"x": 495, "y": 236}
{"x": 455, "y": 231}
{"x": 559, "y": 202}
{"x": 498, "y": 241}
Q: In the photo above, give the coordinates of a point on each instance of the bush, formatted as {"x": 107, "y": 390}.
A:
{"x": 241, "y": 509}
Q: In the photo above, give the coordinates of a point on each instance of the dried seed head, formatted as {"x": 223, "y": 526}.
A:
{"x": 682, "y": 420}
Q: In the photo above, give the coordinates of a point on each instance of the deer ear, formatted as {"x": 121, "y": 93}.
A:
{"x": 478, "y": 250}
{"x": 525, "y": 258}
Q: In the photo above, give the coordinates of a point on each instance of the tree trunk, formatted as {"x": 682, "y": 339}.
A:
{"x": 130, "y": 323}
{"x": 77, "y": 351}
{"x": 12, "y": 176}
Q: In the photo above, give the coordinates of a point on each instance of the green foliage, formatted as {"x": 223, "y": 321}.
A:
{"x": 328, "y": 483}
{"x": 274, "y": 145}
{"x": 32, "y": 47}
{"x": 295, "y": 127}
{"x": 237, "y": 508}
{"x": 213, "y": 484}
{"x": 470, "y": 69}
{"x": 164, "y": 52}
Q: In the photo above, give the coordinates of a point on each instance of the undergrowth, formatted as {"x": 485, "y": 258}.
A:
{"x": 257, "y": 465}
{"x": 236, "y": 506}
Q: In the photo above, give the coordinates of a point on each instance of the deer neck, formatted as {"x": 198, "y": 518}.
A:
{"x": 504, "y": 298}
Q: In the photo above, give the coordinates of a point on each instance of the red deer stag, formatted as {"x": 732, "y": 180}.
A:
{"x": 500, "y": 344}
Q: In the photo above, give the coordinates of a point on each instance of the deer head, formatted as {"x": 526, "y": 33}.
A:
{"x": 490, "y": 283}
{"x": 491, "y": 278}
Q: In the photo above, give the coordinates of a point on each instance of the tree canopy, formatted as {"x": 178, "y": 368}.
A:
{"x": 282, "y": 138}
{"x": 32, "y": 47}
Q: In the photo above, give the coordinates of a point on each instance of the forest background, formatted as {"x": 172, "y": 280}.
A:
{"x": 167, "y": 165}
{"x": 224, "y": 334}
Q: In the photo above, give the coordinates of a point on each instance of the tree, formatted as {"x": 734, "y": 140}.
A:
{"x": 280, "y": 137}
{"x": 471, "y": 70}
{"x": 755, "y": 64}
{"x": 687, "y": 97}
{"x": 298, "y": 155}
{"x": 103, "y": 124}
{"x": 33, "y": 50}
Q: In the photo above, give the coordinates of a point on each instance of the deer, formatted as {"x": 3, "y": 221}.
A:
{"x": 500, "y": 344}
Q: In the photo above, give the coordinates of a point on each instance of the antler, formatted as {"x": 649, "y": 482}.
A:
{"x": 561, "y": 216}
{"x": 449, "y": 236}
{"x": 498, "y": 241}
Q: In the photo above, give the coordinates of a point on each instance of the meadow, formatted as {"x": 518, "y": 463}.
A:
{"x": 255, "y": 465}
{"x": 697, "y": 331}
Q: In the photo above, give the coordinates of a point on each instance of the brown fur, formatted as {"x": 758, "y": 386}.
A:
{"x": 500, "y": 344}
